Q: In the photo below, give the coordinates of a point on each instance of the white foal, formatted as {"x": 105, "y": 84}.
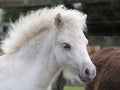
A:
{"x": 40, "y": 44}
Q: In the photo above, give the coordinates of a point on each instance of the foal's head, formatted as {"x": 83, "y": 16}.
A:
{"x": 70, "y": 51}
{"x": 70, "y": 41}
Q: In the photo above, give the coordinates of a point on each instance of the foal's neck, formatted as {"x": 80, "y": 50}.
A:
{"x": 39, "y": 56}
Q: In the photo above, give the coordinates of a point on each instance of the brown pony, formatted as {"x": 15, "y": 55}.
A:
{"x": 107, "y": 62}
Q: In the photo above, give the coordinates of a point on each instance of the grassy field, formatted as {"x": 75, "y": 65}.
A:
{"x": 73, "y": 88}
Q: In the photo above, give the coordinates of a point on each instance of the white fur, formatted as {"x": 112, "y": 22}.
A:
{"x": 30, "y": 25}
{"x": 34, "y": 51}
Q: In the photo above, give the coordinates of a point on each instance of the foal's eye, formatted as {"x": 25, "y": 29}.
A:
{"x": 66, "y": 46}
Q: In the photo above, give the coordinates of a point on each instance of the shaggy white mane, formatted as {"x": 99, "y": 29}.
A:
{"x": 33, "y": 23}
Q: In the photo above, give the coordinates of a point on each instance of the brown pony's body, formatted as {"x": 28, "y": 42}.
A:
{"x": 107, "y": 62}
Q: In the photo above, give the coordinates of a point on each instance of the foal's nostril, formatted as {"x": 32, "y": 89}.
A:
{"x": 87, "y": 72}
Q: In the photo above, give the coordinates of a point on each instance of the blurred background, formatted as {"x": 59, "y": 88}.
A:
{"x": 103, "y": 24}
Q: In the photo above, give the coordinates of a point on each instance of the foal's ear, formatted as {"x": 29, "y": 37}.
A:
{"x": 84, "y": 17}
{"x": 58, "y": 20}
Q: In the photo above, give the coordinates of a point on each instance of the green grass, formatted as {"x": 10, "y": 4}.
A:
{"x": 73, "y": 88}
{"x": 1, "y": 52}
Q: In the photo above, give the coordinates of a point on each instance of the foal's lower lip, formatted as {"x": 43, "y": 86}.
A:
{"x": 81, "y": 78}
{"x": 84, "y": 79}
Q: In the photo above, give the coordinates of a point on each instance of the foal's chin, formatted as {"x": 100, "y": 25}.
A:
{"x": 85, "y": 78}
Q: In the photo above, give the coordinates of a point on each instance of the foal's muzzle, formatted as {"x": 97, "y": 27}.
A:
{"x": 87, "y": 74}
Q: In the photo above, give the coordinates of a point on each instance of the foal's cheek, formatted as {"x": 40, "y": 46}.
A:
{"x": 61, "y": 57}
{"x": 58, "y": 54}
